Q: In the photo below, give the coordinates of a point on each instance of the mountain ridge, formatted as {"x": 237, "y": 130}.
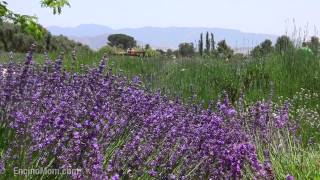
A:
{"x": 159, "y": 37}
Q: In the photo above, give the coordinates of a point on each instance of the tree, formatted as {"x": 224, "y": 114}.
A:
{"x": 262, "y": 49}
{"x": 284, "y": 45}
{"x": 224, "y": 50}
{"x": 147, "y": 47}
{"x": 29, "y": 23}
{"x": 201, "y": 45}
{"x": 266, "y": 47}
{"x": 161, "y": 52}
{"x": 186, "y": 49}
{"x": 207, "y": 44}
{"x": 313, "y": 44}
{"x": 213, "y": 44}
{"x": 176, "y": 53}
{"x": 256, "y": 52}
{"x": 169, "y": 52}
{"x": 13, "y": 38}
{"x": 48, "y": 41}
{"x": 121, "y": 40}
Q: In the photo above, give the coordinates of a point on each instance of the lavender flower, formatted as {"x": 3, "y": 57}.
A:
{"x": 108, "y": 126}
{"x": 289, "y": 177}
{"x": 2, "y": 167}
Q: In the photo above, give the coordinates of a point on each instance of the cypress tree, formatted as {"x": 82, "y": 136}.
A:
{"x": 201, "y": 45}
{"x": 213, "y": 44}
{"x": 207, "y": 44}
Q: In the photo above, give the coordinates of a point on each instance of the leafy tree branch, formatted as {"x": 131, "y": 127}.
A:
{"x": 29, "y": 23}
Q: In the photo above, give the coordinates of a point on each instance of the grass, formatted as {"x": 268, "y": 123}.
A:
{"x": 207, "y": 78}
{"x": 293, "y": 159}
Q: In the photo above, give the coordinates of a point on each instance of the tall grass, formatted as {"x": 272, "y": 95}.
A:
{"x": 208, "y": 77}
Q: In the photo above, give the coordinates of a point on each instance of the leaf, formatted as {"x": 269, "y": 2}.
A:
{"x": 3, "y": 10}
{"x": 29, "y": 23}
{"x": 55, "y": 5}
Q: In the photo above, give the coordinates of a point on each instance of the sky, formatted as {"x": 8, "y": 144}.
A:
{"x": 257, "y": 16}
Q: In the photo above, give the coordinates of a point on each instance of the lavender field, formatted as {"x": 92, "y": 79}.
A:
{"x": 108, "y": 126}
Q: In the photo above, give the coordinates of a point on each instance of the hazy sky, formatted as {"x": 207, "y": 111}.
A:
{"x": 260, "y": 16}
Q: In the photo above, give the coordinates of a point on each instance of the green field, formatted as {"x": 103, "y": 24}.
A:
{"x": 208, "y": 77}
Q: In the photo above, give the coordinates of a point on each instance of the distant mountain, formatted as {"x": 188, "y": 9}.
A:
{"x": 81, "y": 30}
{"x": 96, "y": 35}
{"x": 94, "y": 42}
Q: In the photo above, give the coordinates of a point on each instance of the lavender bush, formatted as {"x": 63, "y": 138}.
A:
{"x": 110, "y": 127}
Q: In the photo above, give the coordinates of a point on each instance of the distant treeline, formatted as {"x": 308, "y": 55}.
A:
{"x": 207, "y": 47}
{"x": 284, "y": 45}
{"x": 13, "y": 38}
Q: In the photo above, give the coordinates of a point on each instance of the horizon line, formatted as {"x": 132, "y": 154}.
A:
{"x": 141, "y": 27}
